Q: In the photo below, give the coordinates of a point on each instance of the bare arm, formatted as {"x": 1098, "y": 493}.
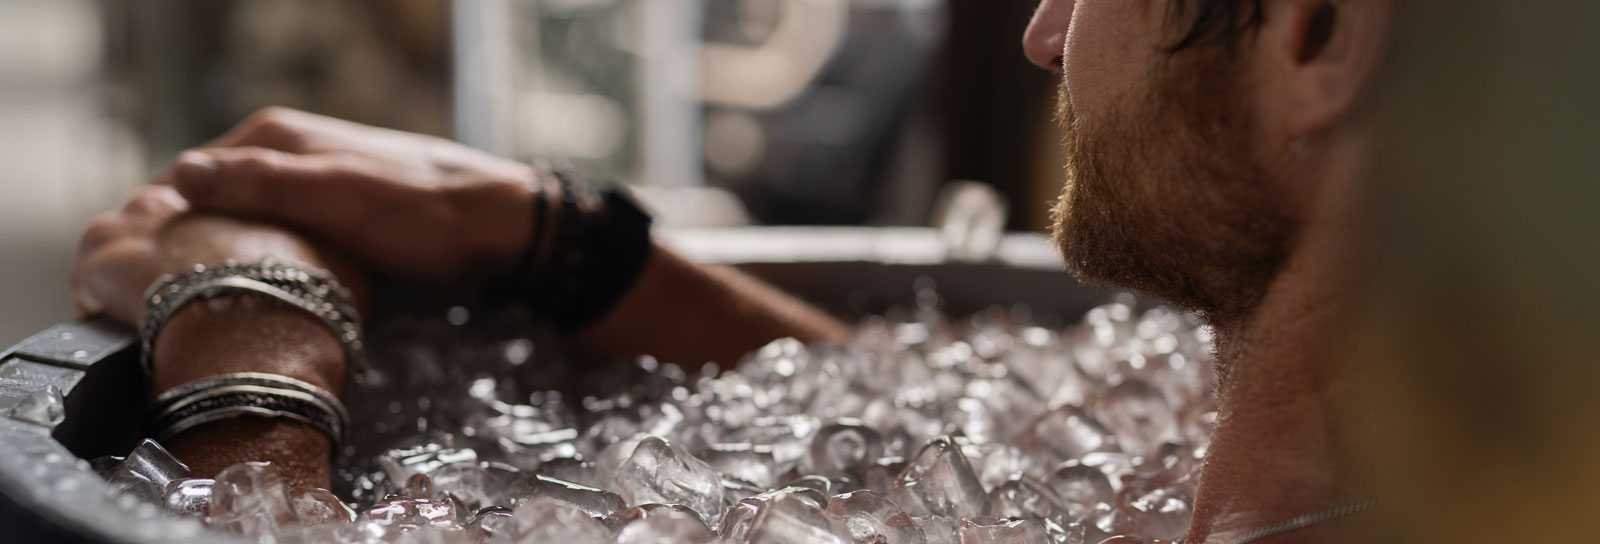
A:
{"x": 429, "y": 211}
{"x": 690, "y": 313}
{"x": 123, "y": 251}
{"x": 250, "y": 335}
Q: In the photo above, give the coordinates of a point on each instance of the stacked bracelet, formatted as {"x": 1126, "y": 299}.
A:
{"x": 248, "y": 394}
{"x": 314, "y": 292}
{"x": 597, "y": 250}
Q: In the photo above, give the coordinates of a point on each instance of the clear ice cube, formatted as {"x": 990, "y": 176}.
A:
{"x": 939, "y": 481}
{"x": 1069, "y": 433}
{"x": 597, "y": 503}
{"x": 251, "y": 499}
{"x": 190, "y": 498}
{"x": 747, "y": 462}
{"x": 146, "y": 472}
{"x": 845, "y": 448}
{"x": 786, "y": 519}
{"x": 1163, "y": 514}
{"x": 547, "y": 521}
{"x": 1000, "y": 531}
{"x": 659, "y": 472}
{"x": 1079, "y": 487}
{"x": 411, "y": 513}
{"x": 871, "y": 518}
{"x": 482, "y": 484}
{"x": 401, "y": 464}
{"x": 1138, "y": 413}
{"x": 573, "y": 470}
{"x": 656, "y": 523}
{"x": 1022, "y": 498}
{"x": 46, "y": 407}
{"x": 937, "y": 529}
{"x": 492, "y": 524}
{"x": 316, "y": 506}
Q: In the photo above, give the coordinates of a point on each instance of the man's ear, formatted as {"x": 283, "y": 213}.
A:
{"x": 1316, "y": 57}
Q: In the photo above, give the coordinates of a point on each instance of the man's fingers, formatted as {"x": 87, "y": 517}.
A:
{"x": 283, "y": 129}
{"x": 322, "y": 193}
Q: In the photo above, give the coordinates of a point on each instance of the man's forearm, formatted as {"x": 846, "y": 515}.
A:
{"x": 245, "y": 334}
{"x": 689, "y": 314}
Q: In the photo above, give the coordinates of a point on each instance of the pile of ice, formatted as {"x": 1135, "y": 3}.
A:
{"x": 985, "y": 430}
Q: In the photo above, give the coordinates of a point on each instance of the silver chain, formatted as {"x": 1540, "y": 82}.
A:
{"x": 1307, "y": 520}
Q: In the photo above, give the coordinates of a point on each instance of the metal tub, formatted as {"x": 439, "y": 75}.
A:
{"x": 48, "y": 493}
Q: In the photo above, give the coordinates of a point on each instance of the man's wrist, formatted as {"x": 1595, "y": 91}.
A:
{"x": 505, "y": 224}
{"x": 246, "y": 334}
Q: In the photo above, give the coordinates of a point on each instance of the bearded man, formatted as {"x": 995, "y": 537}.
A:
{"x": 1212, "y": 146}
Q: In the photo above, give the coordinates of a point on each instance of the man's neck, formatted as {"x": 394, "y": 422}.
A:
{"x": 1272, "y": 456}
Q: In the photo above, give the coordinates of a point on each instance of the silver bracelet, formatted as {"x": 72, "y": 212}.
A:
{"x": 314, "y": 292}
{"x": 248, "y": 393}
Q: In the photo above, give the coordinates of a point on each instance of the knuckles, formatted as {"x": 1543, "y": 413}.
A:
{"x": 101, "y": 230}
{"x": 148, "y": 202}
{"x": 276, "y": 126}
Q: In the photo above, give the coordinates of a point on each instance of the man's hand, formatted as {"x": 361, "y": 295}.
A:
{"x": 407, "y": 206}
{"x": 123, "y": 251}
{"x": 427, "y": 210}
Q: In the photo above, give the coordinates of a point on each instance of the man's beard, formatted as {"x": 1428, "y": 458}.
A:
{"x": 1165, "y": 196}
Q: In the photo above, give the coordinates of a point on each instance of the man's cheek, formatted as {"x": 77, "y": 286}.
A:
{"x": 1109, "y": 51}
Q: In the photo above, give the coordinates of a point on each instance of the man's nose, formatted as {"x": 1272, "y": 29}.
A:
{"x": 1046, "y": 39}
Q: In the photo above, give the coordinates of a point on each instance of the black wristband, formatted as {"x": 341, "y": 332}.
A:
{"x": 522, "y": 271}
{"x": 600, "y": 247}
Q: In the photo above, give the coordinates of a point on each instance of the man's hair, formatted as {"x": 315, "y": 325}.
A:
{"x": 1214, "y": 22}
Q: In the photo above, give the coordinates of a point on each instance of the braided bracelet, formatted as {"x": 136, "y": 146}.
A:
{"x": 596, "y": 253}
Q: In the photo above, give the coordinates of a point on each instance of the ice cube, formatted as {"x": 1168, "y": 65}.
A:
{"x": 190, "y": 498}
{"x": 316, "y": 506}
{"x": 1069, "y": 433}
{"x": 480, "y": 485}
{"x": 401, "y": 464}
{"x": 659, "y": 472}
{"x": 939, "y": 481}
{"x": 251, "y": 499}
{"x": 597, "y": 503}
{"x": 1163, "y": 514}
{"x": 744, "y": 461}
{"x": 937, "y": 529}
{"x": 785, "y": 519}
{"x": 1022, "y": 498}
{"x": 1000, "y": 531}
{"x": 146, "y": 472}
{"x": 1079, "y": 487}
{"x": 492, "y": 524}
{"x": 547, "y": 521}
{"x": 655, "y": 523}
{"x": 871, "y": 518}
{"x": 845, "y": 448}
{"x": 1138, "y": 413}
{"x": 46, "y": 407}
{"x": 999, "y": 462}
{"x": 409, "y": 513}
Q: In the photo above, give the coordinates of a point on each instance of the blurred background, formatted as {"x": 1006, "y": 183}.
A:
{"x": 722, "y": 112}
